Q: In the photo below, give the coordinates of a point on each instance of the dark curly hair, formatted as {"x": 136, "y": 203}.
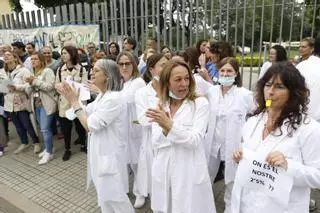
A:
{"x": 295, "y": 110}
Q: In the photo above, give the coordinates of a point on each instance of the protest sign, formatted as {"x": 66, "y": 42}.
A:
{"x": 256, "y": 174}
{"x": 54, "y": 37}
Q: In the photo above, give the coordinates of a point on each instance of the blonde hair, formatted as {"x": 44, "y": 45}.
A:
{"x": 17, "y": 61}
{"x": 165, "y": 81}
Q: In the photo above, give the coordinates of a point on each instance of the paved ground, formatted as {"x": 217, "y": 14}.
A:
{"x": 58, "y": 187}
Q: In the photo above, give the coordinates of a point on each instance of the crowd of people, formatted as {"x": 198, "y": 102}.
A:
{"x": 177, "y": 121}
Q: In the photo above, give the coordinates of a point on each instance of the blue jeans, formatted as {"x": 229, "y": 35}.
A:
{"x": 22, "y": 122}
{"x": 45, "y": 121}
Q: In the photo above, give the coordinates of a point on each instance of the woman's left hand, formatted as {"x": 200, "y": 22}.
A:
{"x": 277, "y": 158}
{"x": 161, "y": 117}
{"x": 69, "y": 93}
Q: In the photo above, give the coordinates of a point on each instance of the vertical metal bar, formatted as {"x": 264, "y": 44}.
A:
{"x": 112, "y": 20}
{"x": 64, "y": 14}
{"x": 45, "y": 17}
{"x": 106, "y": 15}
{"x": 243, "y": 33}
{"x": 28, "y": 19}
{"x": 8, "y": 22}
{"x": 18, "y": 22}
{"x": 58, "y": 15}
{"x": 158, "y": 25}
{"x": 236, "y": 28}
{"x": 146, "y": 18}
{"x": 131, "y": 17}
{"x": 164, "y": 32}
{"x": 121, "y": 19}
{"x": 291, "y": 27}
{"x": 211, "y": 16}
{"x": 95, "y": 13}
{"x": 183, "y": 24}
{"x": 191, "y": 24}
{"x": 125, "y": 18}
{"x": 281, "y": 22}
{"x": 4, "y": 24}
{"x": 220, "y": 18}
{"x": 143, "y": 37}
{"x": 271, "y": 25}
{"x": 170, "y": 23}
{"x": 33, "y": 16}
{"x": 79, "y": 14}
{"x": 23, "y": 21}
{"x": 154, "y": 18}
{"x": 205, "y": 20}
{"x": 40, "y": 22}
{"x": 178, "y": 25}
{"x": 302, "y": 21}
{"x": 314, "y": 17}
{"x": 104, "y": 31}
{"x": 136, "y": 20}
{"x": 115, "y": 19}
{"x": 252, "y": 40}
{"x": 227, "y": 30}
{"x": 197, "y": 20}
{"x": 87, "y": 13}
{"x": 261, "y": 34}
{"x": 72, "y": 19}
{"x": 52, "y": 21}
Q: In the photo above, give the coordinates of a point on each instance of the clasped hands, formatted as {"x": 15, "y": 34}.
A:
{"x": 160, "y": 116}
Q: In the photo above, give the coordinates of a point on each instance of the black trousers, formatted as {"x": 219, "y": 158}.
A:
{"x": 66, "y": 126}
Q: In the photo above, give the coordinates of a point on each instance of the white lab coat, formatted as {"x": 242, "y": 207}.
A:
{"x": 264, "y": 68}
{"x": 145, "y": 98}
{"x": 240, "y": 105}
{"x": 133, "y": 130}
{"x": 106, "y": 164}
{"x": 310, "y": 69}
{"x": 302, "y": 151}
{"x": 179, "y": 169}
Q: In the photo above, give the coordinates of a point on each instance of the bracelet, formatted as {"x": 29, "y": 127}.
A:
{"x": 77, "y": 110}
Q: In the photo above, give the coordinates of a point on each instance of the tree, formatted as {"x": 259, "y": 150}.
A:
{"x": 15, "y": 5}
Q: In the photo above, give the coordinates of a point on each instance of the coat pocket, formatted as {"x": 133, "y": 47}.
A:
{"x": 107, "y": 165}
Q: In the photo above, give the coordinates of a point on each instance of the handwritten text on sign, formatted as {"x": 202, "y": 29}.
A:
{"x": 254, "y": 173}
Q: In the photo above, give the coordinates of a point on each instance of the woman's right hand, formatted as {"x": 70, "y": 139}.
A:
{"x": 93, "y": 88}
{"x": 237, "y": 155}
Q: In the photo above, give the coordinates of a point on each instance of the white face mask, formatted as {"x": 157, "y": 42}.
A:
{"x": 157, "y": 78}
{"x": 172, "y": 95}
{"x": 70, "y": 114}
{"x": 226, "y": 80}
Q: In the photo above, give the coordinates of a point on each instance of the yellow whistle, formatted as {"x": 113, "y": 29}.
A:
{"x": 268, "y": 103}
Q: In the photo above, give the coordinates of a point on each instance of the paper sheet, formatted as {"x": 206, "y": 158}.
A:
{"x": 4, "y": 82}
{"x": 84, "y": 92}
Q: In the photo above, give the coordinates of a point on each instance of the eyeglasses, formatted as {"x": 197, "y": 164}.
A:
{"x": 91, "y": 47}
{"x": 125, "y": 63}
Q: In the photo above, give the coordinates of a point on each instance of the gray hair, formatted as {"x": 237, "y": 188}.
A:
{"x": 114, "y": 80}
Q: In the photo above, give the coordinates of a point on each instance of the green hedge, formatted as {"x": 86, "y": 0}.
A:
{"x": 247, "y": 61}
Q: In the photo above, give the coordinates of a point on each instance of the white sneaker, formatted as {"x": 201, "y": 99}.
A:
{"x": 1, "y": 153}
{"x": 37, "y": 148}
{"x": 20, "y": 148}
{"x": 46, "y": 158}
{"x": 42, "y": 153}
{"x": 140, "y": 200}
